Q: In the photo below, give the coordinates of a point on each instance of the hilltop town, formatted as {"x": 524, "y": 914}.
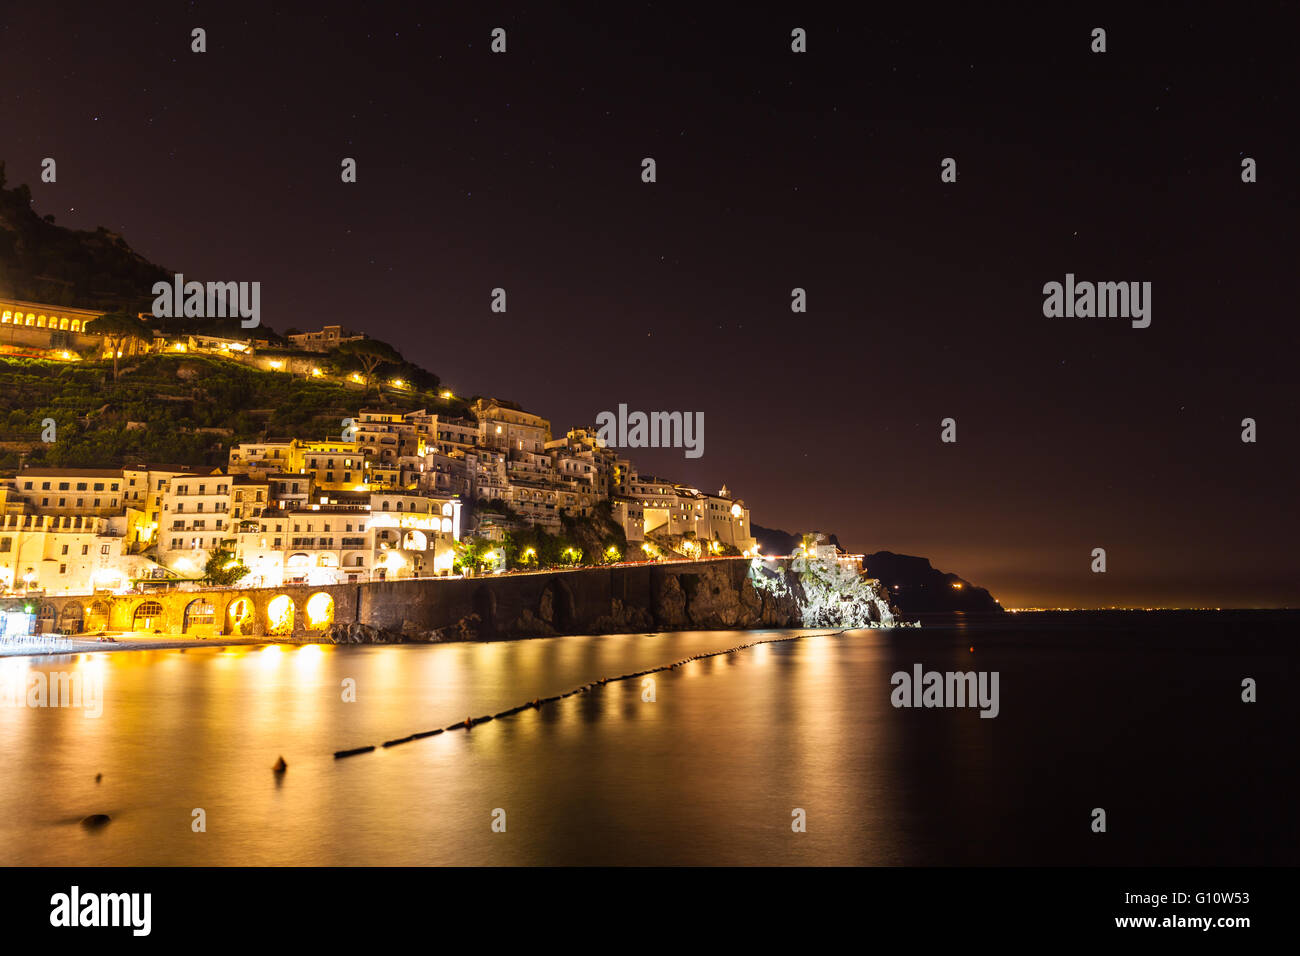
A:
{"x": 476, "y": 486}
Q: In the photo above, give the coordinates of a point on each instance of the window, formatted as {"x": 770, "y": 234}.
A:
{"x": 65, "y": 549}
{"x": 103, "y": 549}
{"x": 6, "y": 544}
{"x": 85, "y": 549}
{"x": 99, "y": 486}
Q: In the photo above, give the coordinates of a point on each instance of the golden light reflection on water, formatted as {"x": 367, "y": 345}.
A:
{"x": 604, "y": 775}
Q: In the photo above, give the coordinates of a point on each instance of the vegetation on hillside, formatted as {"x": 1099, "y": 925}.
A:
{"x": 582, "y": 540}
{"x": 172, "y": 409}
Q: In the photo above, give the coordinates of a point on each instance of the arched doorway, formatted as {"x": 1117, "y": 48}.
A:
{"x": 97, "y": 616}
{"x": 71, "y": 618}
{"x": 239, "y": 617}
{"x": 147, "y": 617}
{"x": 200, "y": 617}
{"x": 320, "y": 611}
{"x": 556, "y": 605}
{"x": 279, "y": 615}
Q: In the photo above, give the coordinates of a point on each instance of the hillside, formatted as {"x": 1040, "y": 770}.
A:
{"x": 174, "y": 408}
{"x": 44, "y": 262}
{"x": 171, "y": 408}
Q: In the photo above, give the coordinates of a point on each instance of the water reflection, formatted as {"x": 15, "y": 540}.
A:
{"x": 709, "y": 771}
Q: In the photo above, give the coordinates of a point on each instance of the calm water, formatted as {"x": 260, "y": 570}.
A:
{"x": 1140, "y": 716}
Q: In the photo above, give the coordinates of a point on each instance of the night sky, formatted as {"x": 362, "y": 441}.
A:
{"x": 775, "y": 170}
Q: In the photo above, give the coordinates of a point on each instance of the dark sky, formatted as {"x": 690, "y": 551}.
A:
{"x": 775, "y": 170}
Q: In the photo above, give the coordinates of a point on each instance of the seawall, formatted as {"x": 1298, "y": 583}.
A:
{"x": 680, "y": 595}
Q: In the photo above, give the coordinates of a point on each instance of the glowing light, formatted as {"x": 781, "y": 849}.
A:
{"x": 956, "y": 585}
{"x": 316, "y": 373}
{"x": 279, "y": 613}
{"x": 240, "y": 615}
{"x": 320, "y": 611}
{"x": 276, "y": 364}
{"x": 446, "y": 394}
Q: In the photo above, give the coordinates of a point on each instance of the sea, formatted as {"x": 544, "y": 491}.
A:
{"x": 1119, "y": 738}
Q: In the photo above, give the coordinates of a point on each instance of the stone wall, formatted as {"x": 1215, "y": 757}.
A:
{"x": 721, "y": 593}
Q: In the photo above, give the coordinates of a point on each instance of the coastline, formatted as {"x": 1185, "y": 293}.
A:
{"x": 143, "y": 643}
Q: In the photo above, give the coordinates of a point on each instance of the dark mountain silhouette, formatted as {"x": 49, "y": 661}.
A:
{"x": 918, "y": 588}
{"x": 44, "y": 262}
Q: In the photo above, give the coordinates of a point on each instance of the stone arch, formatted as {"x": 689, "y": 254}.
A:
{"x": 97, "y": 616}
{"x": 556, "y": 606}
{"x": 46, "y": 615}
{"x": 241, "y": 617}
{"x": 71, "y": 618}
{"x": 147, "y": 616}
{"x": 415, "y": 540}
{"x": 320, "y": 611}
{"x": 199, "y": 615}
{"x": 280, "y": 615}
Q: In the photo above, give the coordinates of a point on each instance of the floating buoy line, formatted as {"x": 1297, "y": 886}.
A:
{"x": 536, "y": 704}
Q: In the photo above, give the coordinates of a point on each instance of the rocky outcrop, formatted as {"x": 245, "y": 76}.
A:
{"x": 356, "y": 633}
{"x": 624, "y": 619}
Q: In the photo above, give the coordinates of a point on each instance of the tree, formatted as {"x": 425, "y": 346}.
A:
{"x": 223, "y": 568}
{"x": 364, "y": 356}
{"x": 471, "y": 553}
{"x": 119, "y": 328}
